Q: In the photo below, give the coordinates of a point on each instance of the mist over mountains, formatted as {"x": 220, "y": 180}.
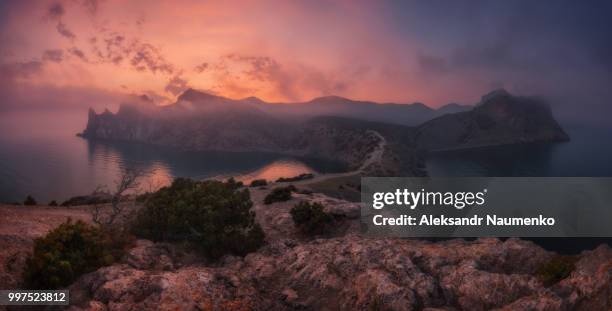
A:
{"x": 328, "y": 127}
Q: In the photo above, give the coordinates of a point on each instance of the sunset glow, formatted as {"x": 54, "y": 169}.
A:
{"x": 279, "y": 51}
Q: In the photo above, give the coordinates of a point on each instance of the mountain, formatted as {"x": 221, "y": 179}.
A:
{"x": 404, "y": 114}
{"x": 499, "y": 119}
{"x": 196, "y": 121}
{"x": 328, "y": 127}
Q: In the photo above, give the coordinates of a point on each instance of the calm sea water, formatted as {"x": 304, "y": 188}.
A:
{"x": 41, "y": 156}
{"x": 588, "y": 153}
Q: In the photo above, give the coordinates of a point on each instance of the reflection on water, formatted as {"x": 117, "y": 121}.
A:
{"x": 55, "y": 165}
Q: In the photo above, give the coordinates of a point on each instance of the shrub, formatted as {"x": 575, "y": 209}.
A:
{"x": 68, "y": 251}
{"x": 53, "y": 203}
{"x": 556, "y": 269}
{"x": 232, "y": 183}
{"x": 279, "y": 194}
{"x": 296, "y": 178}
{"x": 212, "y": 216}
{"x": 29, "y": 201}
{"x": 310, "y": 218}
{"x": 259, "y": 183}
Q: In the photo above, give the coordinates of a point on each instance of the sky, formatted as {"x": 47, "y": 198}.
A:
{"x": 79, "y": 53}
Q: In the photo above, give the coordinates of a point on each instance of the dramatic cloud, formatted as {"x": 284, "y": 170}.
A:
{"x": 429, "y": 51}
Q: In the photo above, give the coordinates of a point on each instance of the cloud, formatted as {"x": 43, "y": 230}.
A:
{"x": 115, "y": 48}
{"x": 55, "y": 56}
{"x": 78, "y": 53}
{"x": 146, "y": 56}
{"x": 56, "y": 11}
{"x": 201, "y": 67}
{"x": 64, "y": 31}
{"x": 237, "y": 74}
{"x": 176, "y": 85}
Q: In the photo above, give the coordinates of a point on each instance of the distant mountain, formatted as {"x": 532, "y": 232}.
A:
{"x": 500, "y": 118}
{"x": 328, "y": 127}
{"x": 405, "y": 114}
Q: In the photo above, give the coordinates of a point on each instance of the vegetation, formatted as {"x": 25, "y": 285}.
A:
{"x": 212, "y": 216}
{"x": 296, "y": 178}
{"x": 556, "y": 269}
{"x": 234, "y": 184}
{"x": 259, "y": 183}
{"x": 311, "y": 218}
{"x": 29, "y": 201}
{"x": 68, "y": 251}
{"x": 128, "y": 181}
{"x": 279, "y": 194}
{"x": 53, "y": 203}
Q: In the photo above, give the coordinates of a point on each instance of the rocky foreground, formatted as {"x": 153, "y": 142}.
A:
{"x": 341, "y": 271}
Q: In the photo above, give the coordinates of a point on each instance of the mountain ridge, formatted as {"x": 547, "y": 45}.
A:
{"x": 201, "y": 121}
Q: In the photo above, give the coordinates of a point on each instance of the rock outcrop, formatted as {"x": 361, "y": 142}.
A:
{"x": 352, "y": 273}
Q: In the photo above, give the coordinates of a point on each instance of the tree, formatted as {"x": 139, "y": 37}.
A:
{"x": 29, "y": 201}
{"x": 127, "y": 182}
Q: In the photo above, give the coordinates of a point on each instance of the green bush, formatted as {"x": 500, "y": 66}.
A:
{"x": 212, "y": 216}
{"x": 556, "y": 269}
{"x": 259, "y": 183}
{"x": 53, "y": 203}
{"x": 29, "y": 201}
{"x": 68, "y": 251}
{"x": 311, "y": 218}
{"x": 279, "y": 194}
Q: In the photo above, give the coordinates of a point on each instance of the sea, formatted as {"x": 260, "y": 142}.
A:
{"x": 41, "y": 156}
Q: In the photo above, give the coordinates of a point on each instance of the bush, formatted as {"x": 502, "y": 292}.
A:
{"x": 68, "y": 251}
{"x": 212, "y": 216}
{"x": 556, "y": 269}
{"x": 296, "y": 178}
{"x": 259, "y": 183}
{"x": 310, "y": 218}
{"x": 53, "y": 203}
{"x": 279, "y": 194}
{"x": 29, "y": 201}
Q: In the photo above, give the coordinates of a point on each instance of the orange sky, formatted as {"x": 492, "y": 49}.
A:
{"x": 278, "y": 50}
